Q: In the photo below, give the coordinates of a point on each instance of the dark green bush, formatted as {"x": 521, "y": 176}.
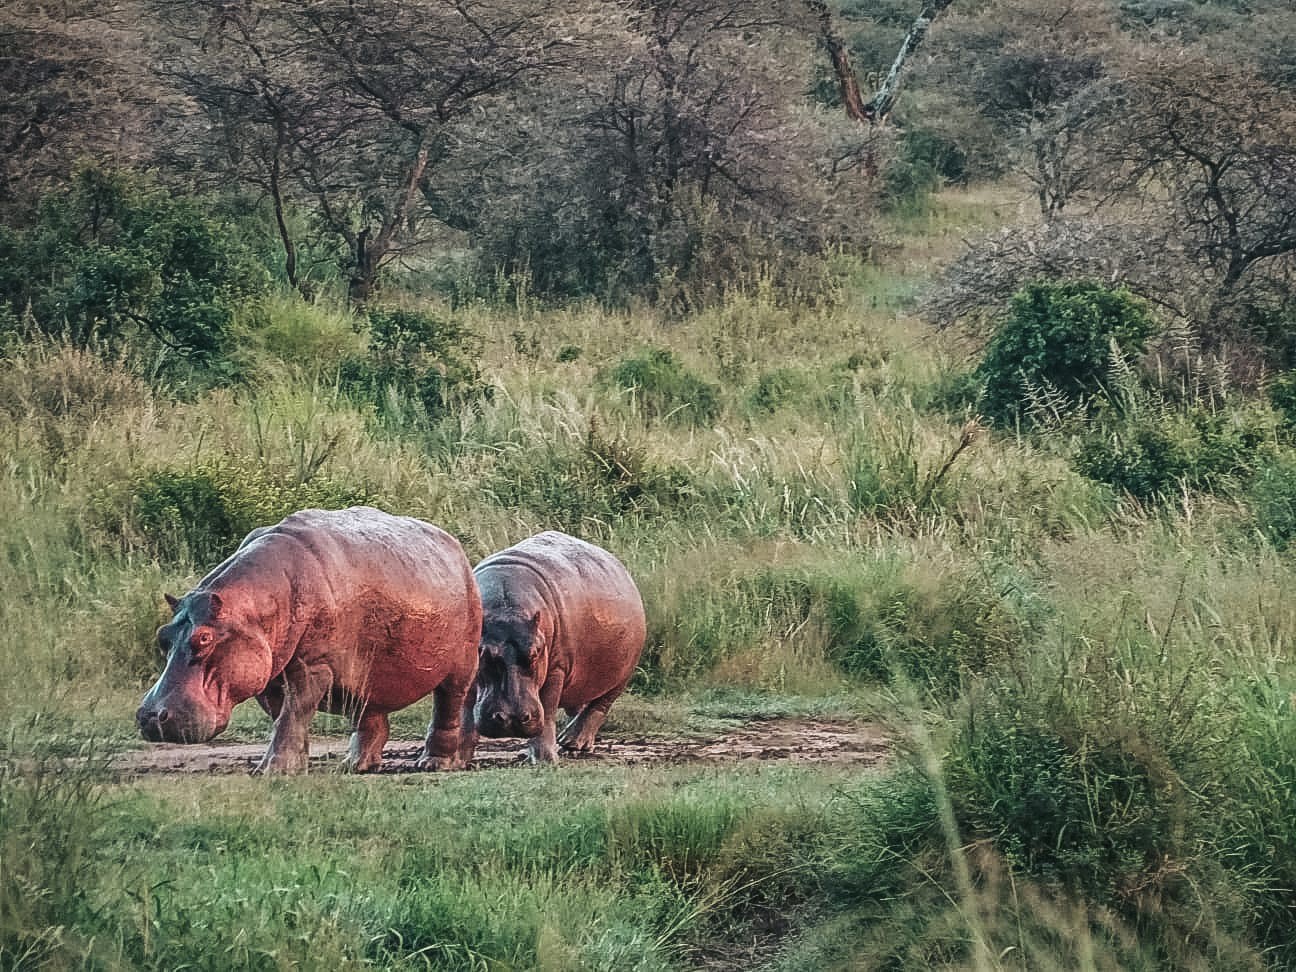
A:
{"x": 416, "y": 357}
{"x": 1282, "y": 395}
{"x": 666, "y": 389}
{"x": 1154, "y": 455}
{"x": 1273, "y": 500}
{"x": 927, "y": 160}
{"x": 200, "y": 514}
{"x": 1057, "y": 337}
{"x": 1079, "y": 809}
{"x": 112, "y": 256}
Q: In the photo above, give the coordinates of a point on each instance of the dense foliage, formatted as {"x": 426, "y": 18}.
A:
{"x": 1058, "y": 339}
{"x": 111, "y": 256}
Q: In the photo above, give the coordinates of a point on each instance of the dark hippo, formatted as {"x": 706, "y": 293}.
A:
{"x": 352, "y": 611}
{"x": 563, "y": 625}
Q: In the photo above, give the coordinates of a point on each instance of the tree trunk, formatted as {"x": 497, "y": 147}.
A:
{"x": 877, "y": 108}
{"x": 883, "y": 100}
{"x": 369, "y": 256}
{"x": 361, "y": 285}
{"x": 847, "y": 82}
{"x": 276, "y": 196}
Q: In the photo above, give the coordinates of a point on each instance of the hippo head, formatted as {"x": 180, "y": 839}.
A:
{"x": 512, "y": 665}
{"x": 214, "y": 660}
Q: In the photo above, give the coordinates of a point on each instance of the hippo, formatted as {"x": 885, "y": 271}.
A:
{"x": 350, "y": 611}
{"x": 562, "y": 625}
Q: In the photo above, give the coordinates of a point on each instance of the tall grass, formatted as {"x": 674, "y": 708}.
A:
{"x": 1090, "y": 695}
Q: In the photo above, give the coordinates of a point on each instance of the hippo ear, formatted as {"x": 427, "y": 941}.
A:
{"x": 533, "y": 622}
{"x": 216, "y": 602}
{"x": 173, "y": 602}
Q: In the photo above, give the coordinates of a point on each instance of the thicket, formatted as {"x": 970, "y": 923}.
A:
{"x": 1054, "y": 347}
{"x": 112, "y": 257}
{"x": 415, "y": 357}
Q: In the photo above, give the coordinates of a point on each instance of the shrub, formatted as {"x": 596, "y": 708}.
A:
{"x": 415, "y": 356}
{"x": 1084, "y": 811}
{"x": 1282, "y": 395}
{"x": 666, "y": 389}
{"x": 200, "y": 514}
{"x": 926, "y": 161}
{"x": 1273, "y": 500}
{"x": 1058, "y": 337}
{"x": 774, "y": 389}
{"x": 112, "y": 256}
{"x": 828, "y": 390}
{"x": 1153, "y": 455}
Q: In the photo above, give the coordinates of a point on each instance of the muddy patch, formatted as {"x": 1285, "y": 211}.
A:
{"x": 788, "y": 740}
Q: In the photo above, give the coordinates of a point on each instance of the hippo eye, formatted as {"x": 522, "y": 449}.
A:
{"x": 201, "y": 641}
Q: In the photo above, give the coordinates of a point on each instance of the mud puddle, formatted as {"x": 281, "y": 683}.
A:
{"x": 788, "y": 740}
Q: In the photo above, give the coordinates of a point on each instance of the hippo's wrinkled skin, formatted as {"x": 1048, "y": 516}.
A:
{"x": 353, "y": 611}
{"x": 563, "y": 625}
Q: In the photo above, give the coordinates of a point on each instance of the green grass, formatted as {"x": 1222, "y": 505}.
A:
{"x": 1089, "y": 696}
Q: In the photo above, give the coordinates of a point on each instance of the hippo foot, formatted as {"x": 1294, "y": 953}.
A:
{"x": 278, "y": 765}
{"x": 578, "y": 744}
{"x": 439, "y": 764}
{"x": 351, "y": 765}
{"x": 536, "y": 755}
{"x": 577, "y": 736}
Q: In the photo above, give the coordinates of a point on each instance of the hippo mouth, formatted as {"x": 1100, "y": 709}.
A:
{"x": 164, "y": 725}
{"x": 502, "y": 727}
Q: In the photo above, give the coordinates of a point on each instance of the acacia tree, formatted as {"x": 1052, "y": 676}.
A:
{"x": 71, "y": 87}
{"x": 350, "y": 108}
{"x": 681, "y": 156}
{"x": 1217, "y": 144}
{"x": 1039, "y": 75}
{"x": 1198, "y": 160}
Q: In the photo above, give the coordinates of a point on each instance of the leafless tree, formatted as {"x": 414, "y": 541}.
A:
{"x": 72, "y": 86}
{"x": 1217, "y": 145}
{"x": 1039, "y": 75}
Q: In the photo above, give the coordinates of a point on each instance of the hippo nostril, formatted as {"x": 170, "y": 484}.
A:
{"x": 163, "y": 716}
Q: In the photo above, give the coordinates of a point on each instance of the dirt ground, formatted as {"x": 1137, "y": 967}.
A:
{"x": 791, "y": 740}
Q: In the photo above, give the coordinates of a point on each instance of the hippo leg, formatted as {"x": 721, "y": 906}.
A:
{"x": 303, "y": 688}
{"x": 468, "y": 742}
{"x": 579, "y": 734}
{"x": 441, "y": 750}
{"x": 366, "y": 749}
{"x": 271, "y": 700}
{"x": 544, "y": 747}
